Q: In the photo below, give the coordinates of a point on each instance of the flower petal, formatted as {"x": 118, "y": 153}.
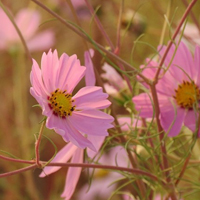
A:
{"x": 191, "y": 120}
{"x": 61, "y": 157}
{"x": 172, "y": 120}
{"x": 91, "y": 97}
{"x": 76, "y": 137}
{"x": 97, "y": 141}
{"x": 90, "y": 78}
{"x": 143, "y": 104}
{"x": 41, "y": 41}
{"x": 69, "y": 73}
{"x": 49, "y": 65}
{"x": 73, "y": 175}
{"x": 91, "y": 122}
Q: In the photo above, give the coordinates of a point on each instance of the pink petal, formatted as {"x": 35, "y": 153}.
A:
{"x": 28, "y": 22}
{"x": 73, "y": 175}
{"x": 41, "y": 41}
{"x": 90, "y": 78}
{"x": 182, "y": 60}
{"x": 36, "y": 80}
{"x": 197, "y": 65}
{"x": 172, "y": 121}
{"x": 70, "y": 72}
{"x": 61, "y": 157}
{"x": 91, "y": 97}
{"x": 76, "y": 137}
{"x": 91, "y": 122}
{"x": 97, "y": 141}
{"x": 143, "y": 105}
{"x": 49, "y": 65}
{"x": 191, "y": 119}
{"x": 112, "y": 76}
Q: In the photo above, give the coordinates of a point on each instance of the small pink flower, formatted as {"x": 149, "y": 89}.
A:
{"x": 70, "y": 116}
{"x": 178, "y": 90}
{"x": 28, "y": 22}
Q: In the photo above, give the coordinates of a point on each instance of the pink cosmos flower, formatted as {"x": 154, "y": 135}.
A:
{"x": 74, "y": 153}
{"x": 178, "y": 90}
{"x": 28, "y": 22}
{"x": 70, "y": 116}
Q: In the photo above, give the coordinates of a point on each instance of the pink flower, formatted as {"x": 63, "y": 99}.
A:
{"x": 74, "y": 153}
{"x": 28, "y": 22}
{"x": 70, "y": 116}
{"x": 178, "y": 90}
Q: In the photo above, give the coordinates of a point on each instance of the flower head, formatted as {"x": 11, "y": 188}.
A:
{"x": 28, "y": 22}
{"x": 178, "y": 90}
{"x": 72, "y": 117}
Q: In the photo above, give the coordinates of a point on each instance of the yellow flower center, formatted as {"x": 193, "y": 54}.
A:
{"x": 101, "y": 173}
{"x": 187, "y": 94}
{"x": 61, "y": 103}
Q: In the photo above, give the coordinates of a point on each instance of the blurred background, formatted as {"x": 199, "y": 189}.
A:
{"x": 140, "y": 32}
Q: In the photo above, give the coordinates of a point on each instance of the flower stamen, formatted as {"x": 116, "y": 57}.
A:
{"x": 61, "y": 103}
{"x": 187, "y": 94}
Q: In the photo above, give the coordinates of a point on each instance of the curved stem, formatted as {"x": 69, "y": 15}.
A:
{"x": 37, "y": 144}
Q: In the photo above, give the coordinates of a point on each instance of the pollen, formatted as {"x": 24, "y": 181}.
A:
{"x": 187, "y": 94}
{"x": 61, "y": 103}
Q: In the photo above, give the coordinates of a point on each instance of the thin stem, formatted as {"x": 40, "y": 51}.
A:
{"x": 110, "y": 167}
{"x": 18, "y": 171}
{"x": 100, "y": 25}
{"x": 192, "y": 15}
{"x": 37, "y": 144}
{"x": 162, "y": 143}
{"x": 17, "y": 160}
{"x": 119, "y": 26}
{"x": 77, "y": 20}
{"x": 183, "y": 170}
{"x": 86, "y": 165}
{"x": 173, "y": 38}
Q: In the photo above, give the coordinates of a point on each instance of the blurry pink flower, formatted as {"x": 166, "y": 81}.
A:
{"x": 70, "y": 116}
{"x": 28, "y": 22}
{"x": 116, "y": 82}
{"x": 178, "y": 90}
{"x": 74, "y": 153}
{"x": 101, "y": 186}
{"x": 192, "y": 34}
